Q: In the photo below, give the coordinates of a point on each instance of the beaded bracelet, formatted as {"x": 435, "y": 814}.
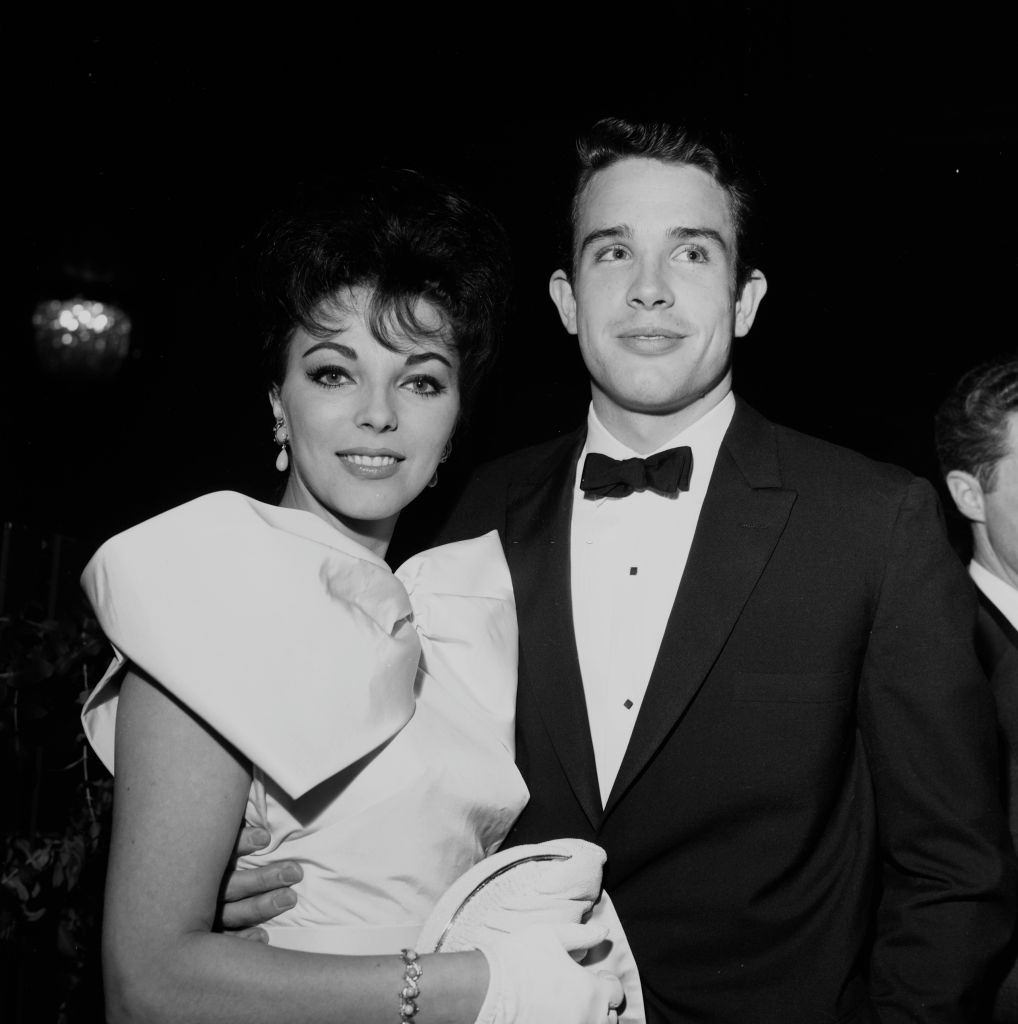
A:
{"x": 412, "y": 972}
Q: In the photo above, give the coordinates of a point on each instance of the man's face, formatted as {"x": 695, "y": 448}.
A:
{"x": 653, "y": 300}
{"x": 1000, "y": 509}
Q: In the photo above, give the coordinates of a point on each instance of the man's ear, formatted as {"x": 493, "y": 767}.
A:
{"x": 748, "y": 302}
{"x": 565, "y": 302}
{"x": 967, "y": 493}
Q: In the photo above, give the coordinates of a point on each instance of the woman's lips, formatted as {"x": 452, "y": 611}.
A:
{"x": 370, "y": 466}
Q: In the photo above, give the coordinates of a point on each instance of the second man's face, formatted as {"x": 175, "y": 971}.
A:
{"x": 1001, "y": 510}
{"x": 653, "y": 299}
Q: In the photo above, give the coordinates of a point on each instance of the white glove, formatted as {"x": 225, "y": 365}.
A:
{"x": 513, "y": 889}
{"x": 535, "y": 980}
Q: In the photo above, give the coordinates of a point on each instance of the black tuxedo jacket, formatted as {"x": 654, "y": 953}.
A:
{"x": 805, "y": 825}
{"x": 997, "y": 646}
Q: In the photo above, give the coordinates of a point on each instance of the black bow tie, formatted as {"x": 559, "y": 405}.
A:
{"x": 667, "y": 473}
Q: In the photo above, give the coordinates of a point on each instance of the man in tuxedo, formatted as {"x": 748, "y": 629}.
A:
{"x": 746, "y": 665}
{"x": 756, "y": 690}
{"x": 977, "y": 444}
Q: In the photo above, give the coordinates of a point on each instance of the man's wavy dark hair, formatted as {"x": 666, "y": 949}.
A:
{"x": 971, "y": 425}
{"x": 401, "y": 236}
{"x": 613, "y": 139}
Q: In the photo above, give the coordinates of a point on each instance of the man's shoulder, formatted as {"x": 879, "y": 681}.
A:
{"x": 482, "y": 504}
{"x": 827, "y": 459}
{"x": 810, "y": 464}
{"x": 532, "y": 462}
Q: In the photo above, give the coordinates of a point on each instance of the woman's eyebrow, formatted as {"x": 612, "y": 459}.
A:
{"x": 424, "y": 357}
{"x": 343, "y": 350}
{"x": 414, "y": 359}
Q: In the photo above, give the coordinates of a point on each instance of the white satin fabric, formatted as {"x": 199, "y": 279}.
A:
{"x": 377, "y": 708}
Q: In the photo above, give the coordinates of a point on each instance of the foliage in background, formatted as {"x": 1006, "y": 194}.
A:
{"x": 54, "y": 819}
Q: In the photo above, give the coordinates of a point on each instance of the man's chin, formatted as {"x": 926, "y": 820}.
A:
{"x": 667, "y": 405}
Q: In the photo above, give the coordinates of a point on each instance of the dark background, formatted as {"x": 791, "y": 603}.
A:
{"x": 139, "y": 160}
{"x": 144, "y": 160}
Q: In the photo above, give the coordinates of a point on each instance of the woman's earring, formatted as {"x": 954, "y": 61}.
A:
{"x": 446, "y": 452}
{"x": 281, "y": 437}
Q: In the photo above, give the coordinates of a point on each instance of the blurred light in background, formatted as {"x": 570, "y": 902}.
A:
{"x": 79, "y": 336}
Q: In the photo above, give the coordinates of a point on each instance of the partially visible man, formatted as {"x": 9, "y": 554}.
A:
{"x": 977, "y": 444}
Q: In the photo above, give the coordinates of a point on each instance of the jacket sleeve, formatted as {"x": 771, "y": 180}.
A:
{"x": 947, "y": 874}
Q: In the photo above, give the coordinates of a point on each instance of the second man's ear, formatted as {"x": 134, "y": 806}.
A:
{"x": 967, "y": 493}
{"x": 561, "y": 292}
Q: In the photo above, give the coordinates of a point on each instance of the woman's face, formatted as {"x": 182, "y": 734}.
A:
{"x": 367, "y": 426}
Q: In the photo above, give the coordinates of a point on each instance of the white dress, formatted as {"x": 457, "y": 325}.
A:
{"x": 376, "y": 708}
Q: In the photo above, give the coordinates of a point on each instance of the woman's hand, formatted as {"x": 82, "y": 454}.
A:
{"x": 535, "y": 978}
{"x": 554, "y": 882}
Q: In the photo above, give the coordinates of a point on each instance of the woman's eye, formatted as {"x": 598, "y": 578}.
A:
{"x": 424, "y": 385}
{"x": 329, "y": 376}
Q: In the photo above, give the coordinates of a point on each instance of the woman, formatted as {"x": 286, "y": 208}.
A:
{"x": 270, "y": 666}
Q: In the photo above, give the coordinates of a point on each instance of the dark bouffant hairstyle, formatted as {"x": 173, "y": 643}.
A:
{"x": 405, "y": 238}
{"x": 970, "y": 428}
{"x": 612, "y": 139}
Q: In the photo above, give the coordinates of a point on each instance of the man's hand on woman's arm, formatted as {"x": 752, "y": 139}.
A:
{"x": 250, "y": 897}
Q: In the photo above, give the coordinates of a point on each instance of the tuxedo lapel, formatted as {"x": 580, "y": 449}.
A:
{"x": 743, "y": 515}
{"x": 537, "y": 548}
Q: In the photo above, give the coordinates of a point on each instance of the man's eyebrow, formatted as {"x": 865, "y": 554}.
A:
{"x": 600, "y": 234}
{"x": 343, "y": 350}
{"x": 679, "y": 234}
{"x": 687, "y": 234}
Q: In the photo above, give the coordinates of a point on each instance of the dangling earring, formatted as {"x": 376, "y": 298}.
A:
{"x": 281, "y": 437}
{"x": 446, "y": 452}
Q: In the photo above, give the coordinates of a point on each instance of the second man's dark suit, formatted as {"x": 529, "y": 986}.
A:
{"x": 997, "y": 646}
{"x": 816, "y": 737}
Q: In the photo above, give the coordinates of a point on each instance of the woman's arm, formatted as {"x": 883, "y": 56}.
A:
{"x": 180, "y": 793}
{"x": 179, "y": 798}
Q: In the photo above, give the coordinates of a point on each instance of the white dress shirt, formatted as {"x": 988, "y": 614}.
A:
{"x": 627, "y": 557}
{"x": 1001, "y": 593}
